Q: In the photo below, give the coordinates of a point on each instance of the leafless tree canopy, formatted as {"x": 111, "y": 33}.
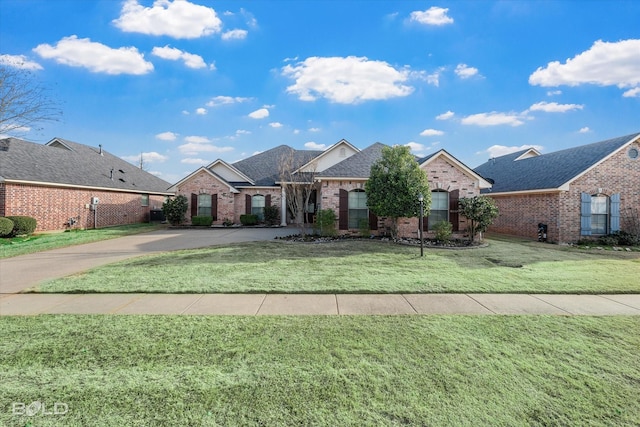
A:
{"x": 298, "y": 187}
{"x": 23, "y": 102}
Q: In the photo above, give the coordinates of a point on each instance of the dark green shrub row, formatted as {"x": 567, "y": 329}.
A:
{"x": 6, "y": 227}
{"x": 249, "y": 219}
{"x": 205, "y": 221}
{"x": 23, "y": 225}
{"x": 621, "y": 238}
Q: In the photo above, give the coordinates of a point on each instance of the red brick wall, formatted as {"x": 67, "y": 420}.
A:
{"x": 52, "y": 206}
{"x": 230, "y": 205}
{"x": 520, "y": 214}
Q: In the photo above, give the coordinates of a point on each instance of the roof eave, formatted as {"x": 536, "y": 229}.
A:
{"x": 88, "y": 187}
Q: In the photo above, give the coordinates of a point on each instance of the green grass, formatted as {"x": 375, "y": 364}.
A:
{"x": 366, "y": 267}
{"x": 10, "y": 247}
{"x": 322, "y": 371}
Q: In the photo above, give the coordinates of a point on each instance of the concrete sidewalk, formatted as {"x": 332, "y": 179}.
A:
{"x": 319, "y": 304}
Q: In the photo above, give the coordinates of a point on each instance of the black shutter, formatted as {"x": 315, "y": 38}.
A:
{"x": 454, "y": 209}
{"x": 194, "y": 204}
{"x": 343, "y": 210}
{"x": 247, "y": 202}
{"x": 267, "y": 200}
{"x": 373, "y": 221}
{"x": 214, "y": 206}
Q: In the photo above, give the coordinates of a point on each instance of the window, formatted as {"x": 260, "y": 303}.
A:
{"x": 599, "y": 214}
{"x": 204, "y": 204}
{"x": 144, "y": 200}
{"x": 257, "y": 206}
{"x": 358, "y": 210}
{"x": 439, "y": 208}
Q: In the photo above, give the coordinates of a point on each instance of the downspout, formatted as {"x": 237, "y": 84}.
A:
{"x": 283, "y": 207}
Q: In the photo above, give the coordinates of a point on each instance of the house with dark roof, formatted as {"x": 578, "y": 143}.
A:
{"x": 590, "y": 190}
{"x": 226, "y": 191}
{"x": 64, "y": 185}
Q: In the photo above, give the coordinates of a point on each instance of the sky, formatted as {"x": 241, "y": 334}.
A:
{"x": 183, "y": 83}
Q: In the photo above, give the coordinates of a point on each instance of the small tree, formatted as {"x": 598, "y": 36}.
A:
{"x": 480, "y": 211}
{"x": 175, "y": 209}
{"x": 298, "y": 187}
{"x": 394, "y": 183}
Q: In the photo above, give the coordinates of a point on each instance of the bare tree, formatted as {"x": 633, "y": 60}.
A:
{"x": 23, "y": 101}
{"x": 298, "y": 187}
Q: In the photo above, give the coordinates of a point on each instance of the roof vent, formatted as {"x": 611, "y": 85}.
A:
{"x": 4, "y": 145}
{"x": 100, "y": 147}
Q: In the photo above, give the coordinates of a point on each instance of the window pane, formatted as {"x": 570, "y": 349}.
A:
{"x": 257, "y": 206}
{"x": 357, "y": 208}
{"x": 599, "y": 224}
{"x": 435, "y": 217}
{"x": 145, "y": 200}
{"x": 204, "y": 204}
{"x": 439, "y": 201}
{"x": 598, "y": 205}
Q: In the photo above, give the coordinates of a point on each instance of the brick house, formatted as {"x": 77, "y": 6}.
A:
{"x": 590, "y": 190}
{"x": 225, "y": 191}
{"x": 57, "y": 183}
{"x": 342, "y": 189}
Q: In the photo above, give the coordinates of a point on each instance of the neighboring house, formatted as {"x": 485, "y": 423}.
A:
{"x": 225, "y": 191}
{"x": 59, "y": 182}
{"x": 590, "y": 190}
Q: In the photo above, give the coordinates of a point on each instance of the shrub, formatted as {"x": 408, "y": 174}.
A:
{"x": 6, "y": 227}
{"x": 271, "y": 215}
{"x": 363, "y": 227}
{"x": 443, "y": 230}
{"x": 626, "y": 238}
{"x": 175, "y": 209}
{"x": 205, "y": 221}
{"x": 249, "y": 219}
{"x": 23, "y": 225}
{"x": 227, "y": 222}
{"x": 609, "y": 240}
{"x": 326, "y": 222}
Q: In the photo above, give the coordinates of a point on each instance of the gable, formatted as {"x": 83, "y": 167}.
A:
{"x": 333, "y": 155}
{"x": 443, "y": 156}
{"x": 227, "y": 172}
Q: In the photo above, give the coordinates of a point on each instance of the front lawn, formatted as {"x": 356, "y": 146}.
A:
{"x": 507, "y": 266}
{"x": 321, "y": 371}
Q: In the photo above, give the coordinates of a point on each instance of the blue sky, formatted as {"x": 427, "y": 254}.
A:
{"x": 183, "y": 83}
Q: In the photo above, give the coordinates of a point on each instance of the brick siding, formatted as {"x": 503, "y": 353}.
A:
{"x": 52, "y": 207}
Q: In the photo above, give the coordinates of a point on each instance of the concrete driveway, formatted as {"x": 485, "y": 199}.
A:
{"x": 26, "y": 271}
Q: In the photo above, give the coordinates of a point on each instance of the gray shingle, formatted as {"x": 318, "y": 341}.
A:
{"x": 77, "y": 165}
{"x": 356, "y": 166}
{"x": 263, "y": 168}
{"x": 547, "y": 171}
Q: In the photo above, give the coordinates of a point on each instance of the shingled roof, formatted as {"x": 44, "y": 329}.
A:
{"x": 356, "y": 166}
{"x": 263, "y": 168}
{"x": 547, "y": 171}
{"x": 62, "y": 162}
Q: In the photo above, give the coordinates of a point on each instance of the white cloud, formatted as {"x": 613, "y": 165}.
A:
{"x": 347, "y": 80}
{"x": 416, "y": 147}
{"x": 149, "y": 157}
{"x": 431, "y": 132}
{"x": 242, "y": 132}
{"x": 171, "y": 53}
{"x": 632, "y": 93}
{"x": 235, "y": 35}
{"x": 225, "y": 100}
{"x": 177, "y": 19}
{"x": 604, "y": 64}
{"x": 19, "y": 61}
{"x": 275, "y": 125}
{"x": 445, "y": 116}
{"x": 554, "y": 107}
{"x": 259, "y": 114}
{"x": 432, "y": 16}
{"x": 96, "y": 57}
{"x": 554, "y": 92}
{"x": 167, "y": 136}
{"x": 194, "y": 148}
{"x": 192, "y": 161}
{"x": 314, "y": 146}
{"x": 502, "y": 150}
{"x": 494, "y": 119}
{"x": 314, "y": 129}
{"x": 201, "y": 111}
{"x": 464, "y": 71}
{"x": 197, "y": 139}
{"x": 584, "y": 130}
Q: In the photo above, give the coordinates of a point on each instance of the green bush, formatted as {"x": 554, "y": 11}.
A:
{"x": 6, "y": 227}
{"x": 325, "y": 224}
{"x": 175, "y": 209}
{"x": 23, "y": 225}
{"x": 626, "y": 238}
{"x": 249, "y": 219}
{"x": 271, "y": 215}
{"x": 443, "y": 230}
{"x": 363, "y": 227}
{"x": 205, "y": 221}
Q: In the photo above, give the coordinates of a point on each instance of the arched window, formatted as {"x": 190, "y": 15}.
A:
{"x": 358, "y": 210}
{"x": 257, "y": 206}
{"x": 599, "y": 214}
{"x": 439, "y": 208}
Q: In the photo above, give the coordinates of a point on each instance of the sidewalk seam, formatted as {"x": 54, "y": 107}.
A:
{"x": 410, "y": 305}
{"x": 480, "y": 304}
{"x": 552, "y": 305}
{"x": 618, "y": 302}
{"x": 191, "y": 305}
{"x": 261, "y": 304}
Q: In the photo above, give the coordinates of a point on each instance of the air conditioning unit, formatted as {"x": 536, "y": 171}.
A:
{"x": 95, "y": 200}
